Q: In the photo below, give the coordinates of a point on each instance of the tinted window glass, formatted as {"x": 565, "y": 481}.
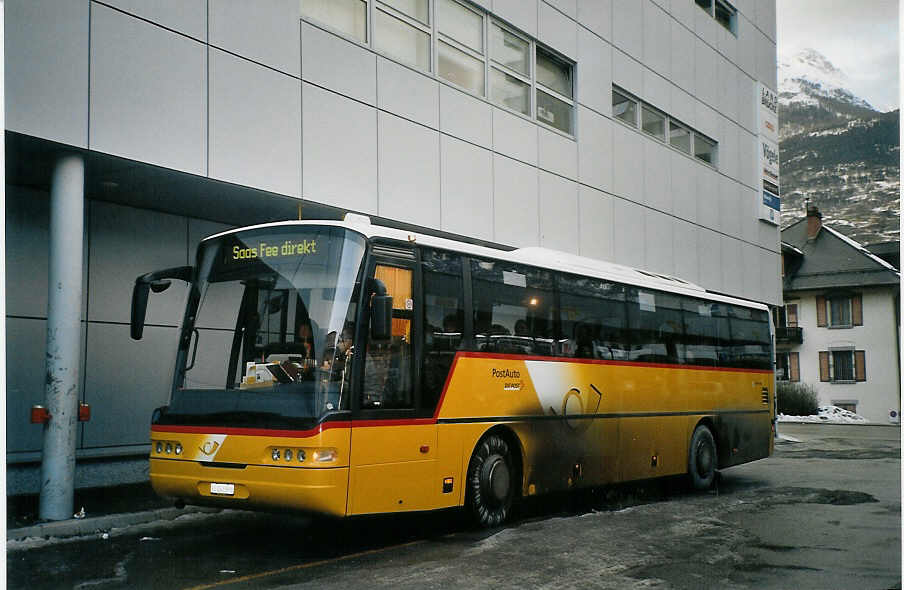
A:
{"x": 706, "y": 332}
{"x": 443, "y": 319}
{"x": 593, "y": 319}
{"x": 513, "y": 308}
{"x": 656, "y": 324}
{"x": 750, "y": 339}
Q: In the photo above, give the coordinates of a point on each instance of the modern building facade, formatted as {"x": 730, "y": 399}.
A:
{"x": 839, "y": 329}
{"x": 623, "y": 130}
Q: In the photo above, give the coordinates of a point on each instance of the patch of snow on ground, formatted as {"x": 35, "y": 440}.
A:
{"x": 827, "y": 414}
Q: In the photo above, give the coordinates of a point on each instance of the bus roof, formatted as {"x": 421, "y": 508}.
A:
{"x": 532, "y": 256}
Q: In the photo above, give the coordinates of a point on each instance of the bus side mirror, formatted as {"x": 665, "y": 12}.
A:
{"x": 152, "y": 281}
{"x": 381, "y": 317}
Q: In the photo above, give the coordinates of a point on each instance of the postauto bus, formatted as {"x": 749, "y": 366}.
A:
{"x": 344, "y": 368}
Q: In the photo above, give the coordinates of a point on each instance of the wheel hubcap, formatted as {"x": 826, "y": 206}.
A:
{"x": 704, "y": 460}
{"x": 497, "y": 480}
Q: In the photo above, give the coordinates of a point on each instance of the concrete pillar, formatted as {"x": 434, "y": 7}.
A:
{"x": 64, "y": 308}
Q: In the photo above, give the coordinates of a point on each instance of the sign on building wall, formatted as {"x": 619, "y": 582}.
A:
{"x": 767, "y": 139}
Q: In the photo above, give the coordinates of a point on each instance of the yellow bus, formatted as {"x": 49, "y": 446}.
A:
{"x": 345, "y": 368}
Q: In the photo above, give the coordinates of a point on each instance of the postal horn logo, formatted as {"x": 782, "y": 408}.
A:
{"x": 209, "y": 447}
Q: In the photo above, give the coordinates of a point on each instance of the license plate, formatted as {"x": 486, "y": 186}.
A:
{"x": 223, "y": 489}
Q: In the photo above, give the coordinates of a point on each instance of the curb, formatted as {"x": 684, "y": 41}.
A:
{"x": 86, "y": 526}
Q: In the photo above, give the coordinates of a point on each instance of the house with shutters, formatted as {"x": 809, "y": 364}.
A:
{"x": 839, "y": 327}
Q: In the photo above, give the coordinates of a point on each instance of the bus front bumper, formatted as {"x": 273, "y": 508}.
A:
{"x": 321, "y": 491}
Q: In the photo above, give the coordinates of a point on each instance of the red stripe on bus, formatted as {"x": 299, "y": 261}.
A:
{"x": 252, "y": 431}
{"x": 555, "y": 359}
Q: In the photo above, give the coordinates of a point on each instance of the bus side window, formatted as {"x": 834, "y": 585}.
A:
{"x": 443, "y": 320}
{"x": 593, "y": 318}
{"x": 388, "y": 364}
{"x": 514, "y": 308}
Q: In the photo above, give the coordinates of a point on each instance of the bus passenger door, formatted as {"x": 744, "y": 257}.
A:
{"x": 393, "y": 453}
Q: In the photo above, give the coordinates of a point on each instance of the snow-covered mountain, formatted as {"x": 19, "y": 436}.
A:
{"x": 808, "y": 78}
{"x": 836, "y": 150}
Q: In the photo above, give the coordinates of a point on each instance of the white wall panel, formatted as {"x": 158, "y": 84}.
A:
{"x": 128, "y": 242}
{"x": 467, "y": 188}
{"x": 732, "y": 271}
{"x": 569, "y": 7}
{"x": 766, "y": 19}
{"x": 770, "y": 278}
{"x": 148, "y": 92}
{"x": 626, "y": 72}
{"x": 514, "y": 136}
{"x": 684, "y": 186}
{"x": 747, "y": 37}
{"x": 114, "y": 359}
{"x": 594, "y": 149}
{"x": 727, "y": 102}
{"x": 627, "y": 163}
{"x": 766, "y": 61}
{"x": 596, "y": 15}
{"x": 707, "y": 196}
{"x": 706, "y": 120}
{"x": 768, "y": 236}
{"x": 683, "y": 106}
{"x": 558, "y": 31}
{"x": 627, "y": 27}
{"x": 727, "y": 156}
{"x": 747, "y": 159}
{"x": 747, "y": 102}
{"x": 332, "y": 62}
{"x": 657, "y": 91}
{"x": 750, "y": 200}
{"x": 657, "y": 173}
{"x": 727, "y": 44}
{"x": 750, "y": 278}
{"x": 255, "y": 125}
{"x": 186, "y": 16}
{"x": 46, "y": 69}
{"x": 465, "y": 117}
{"x": 629, "y": 235}
{"x": 729, "y": 204}
{"x": 683, "y": 12}
{"x": 521, "y": 13}
{"x": 409, "y": 171}
{"x": 559, "y": 218}
{"x": 266, "y": 32}
{"x": 682, "y": 56}
{"x": 657, "y": 35}
{"x": 596, "y": 223}
{"x": 660, "y": 231}
{"x": 407, "y": 93}
{"x": 686, "y": 258}
{"x": 705, "y": 72}
{"x": 516, "y": 207}
{"x": 558, "y": 153}
{"x": 705, "y": 27}
{"x": 594, "y": 72}
{"x": 710, "y": 256}
{"x": 339, "y": 150}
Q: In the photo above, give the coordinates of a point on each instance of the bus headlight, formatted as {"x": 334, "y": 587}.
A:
{"x": 288, "y": 454}
{"x": 159, "y": 447}
{"x": 274, "y": 454}
{"x": 324, "y": 455}
{"x": 178, "y": 448}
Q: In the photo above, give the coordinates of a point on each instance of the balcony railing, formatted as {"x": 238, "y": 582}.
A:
{"x": 787, "y": 335}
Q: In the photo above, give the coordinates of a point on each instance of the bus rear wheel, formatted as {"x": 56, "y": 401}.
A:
{"x": 492, "y": 480}
{"x": 702, "y": 458}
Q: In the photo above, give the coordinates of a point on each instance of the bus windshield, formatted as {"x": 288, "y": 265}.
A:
{"x": 271, "y": 320}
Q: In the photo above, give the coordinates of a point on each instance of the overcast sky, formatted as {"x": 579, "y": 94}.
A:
{"x": 860, "y": 37}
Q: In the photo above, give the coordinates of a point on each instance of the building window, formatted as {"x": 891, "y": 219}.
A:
{"x": 840, "y": 310}
{"x": 723, "y": 12}
{"x": 842, "y": 366}
{"x": 402, "y": 36}
{"x": 653, "y": 122}
{"x": 624, "y": 108}
{"x": 849, "y": 405}
{"x": 704, "y": 149}
{"x": 679, "y": 137}
{"x": 555, "y": 91}
{"x": 787, "y": 366}
{"x": 348, "y": 17}
{"x": 462, "y": 44}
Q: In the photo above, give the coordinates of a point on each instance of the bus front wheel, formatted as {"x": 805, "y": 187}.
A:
{"x": 702, "y": 458}
{"x": 492, "y": 479}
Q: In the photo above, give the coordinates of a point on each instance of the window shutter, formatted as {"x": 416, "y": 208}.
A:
{"x": 794, "y": 366}
{"x": 857, "y": 310}
{"x": 821, "y": 311}
{"x": 791, "y": 315}
{"x": 824, "y": 366}
{"x": 860, "y": 365}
